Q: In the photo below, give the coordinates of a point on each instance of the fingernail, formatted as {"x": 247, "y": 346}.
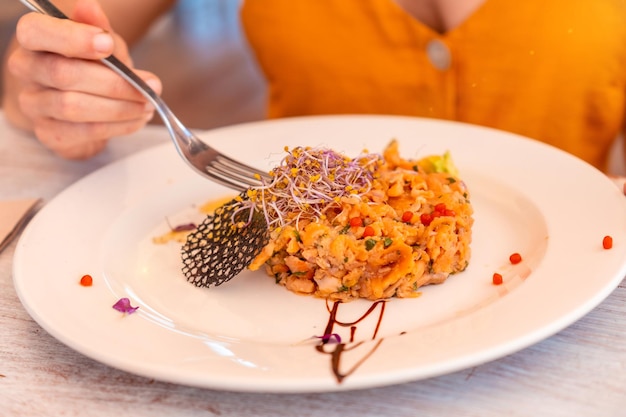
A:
{"x": 103, "y": 42}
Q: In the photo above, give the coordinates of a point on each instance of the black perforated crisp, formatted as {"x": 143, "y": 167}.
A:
{"x": 218, "y": 249}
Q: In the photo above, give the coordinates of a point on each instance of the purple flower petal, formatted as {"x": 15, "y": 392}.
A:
{"x": 123, "y": 305}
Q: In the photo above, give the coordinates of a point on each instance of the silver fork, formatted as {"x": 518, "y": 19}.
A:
{"x": 202, "y": 158}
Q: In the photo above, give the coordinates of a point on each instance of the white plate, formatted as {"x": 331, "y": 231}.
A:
{"x": 252, "y": 335}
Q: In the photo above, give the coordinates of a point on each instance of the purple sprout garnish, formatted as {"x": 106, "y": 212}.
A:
{"x": 308, "y": 182}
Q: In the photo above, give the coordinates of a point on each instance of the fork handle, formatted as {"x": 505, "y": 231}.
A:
{"x": 44, "y": 7}
{"x": 48, "y": 8}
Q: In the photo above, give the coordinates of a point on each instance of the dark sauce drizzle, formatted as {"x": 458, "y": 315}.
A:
{"x": 336, "y": 350}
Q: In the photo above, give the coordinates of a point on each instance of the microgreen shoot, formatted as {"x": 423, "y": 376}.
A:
{"x": 308, "y": 182}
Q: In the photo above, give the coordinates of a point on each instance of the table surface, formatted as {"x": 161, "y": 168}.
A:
{"x": 580, "y": 371}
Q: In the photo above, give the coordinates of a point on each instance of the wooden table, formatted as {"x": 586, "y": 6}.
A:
{"x": 580, "y": 371}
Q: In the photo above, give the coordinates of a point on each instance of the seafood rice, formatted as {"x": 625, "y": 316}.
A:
{"x": 408, "y": 225}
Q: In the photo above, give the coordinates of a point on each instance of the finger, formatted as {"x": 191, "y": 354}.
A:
{"x": 80, "y": 140}
{"x": 55, "y": 71}
{"x": 82, "y": 151}
{"x": 37, "y": 32}
{"x": 77, "y": 107}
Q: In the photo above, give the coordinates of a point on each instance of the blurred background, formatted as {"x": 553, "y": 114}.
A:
{"x": 209, "y": 76}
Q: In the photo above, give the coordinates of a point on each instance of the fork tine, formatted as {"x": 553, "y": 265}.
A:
{"x": 225, "y": 181}
{"x": 236, "y": 175}
{"x": 240, "y": 168}
{"x": 221, "y": 168}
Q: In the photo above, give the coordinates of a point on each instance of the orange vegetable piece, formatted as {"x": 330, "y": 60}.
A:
{"x": 86, "y": 280}
{"x": 426, "y": 219}
{"x": 369, "y": 231}
{"x": 515, "y": 258}
{"x": 607, "y": 242}
{"x": 356, "y": 222}
{"x": 497, "y": 279}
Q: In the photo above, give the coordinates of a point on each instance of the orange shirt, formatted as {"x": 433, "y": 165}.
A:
{"x": 552, "y": 70}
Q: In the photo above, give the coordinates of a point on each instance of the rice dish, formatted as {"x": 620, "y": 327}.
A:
{"x": 395, "y": 226}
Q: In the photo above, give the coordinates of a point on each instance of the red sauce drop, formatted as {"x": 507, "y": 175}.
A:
{"x": 86, "y": 280}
